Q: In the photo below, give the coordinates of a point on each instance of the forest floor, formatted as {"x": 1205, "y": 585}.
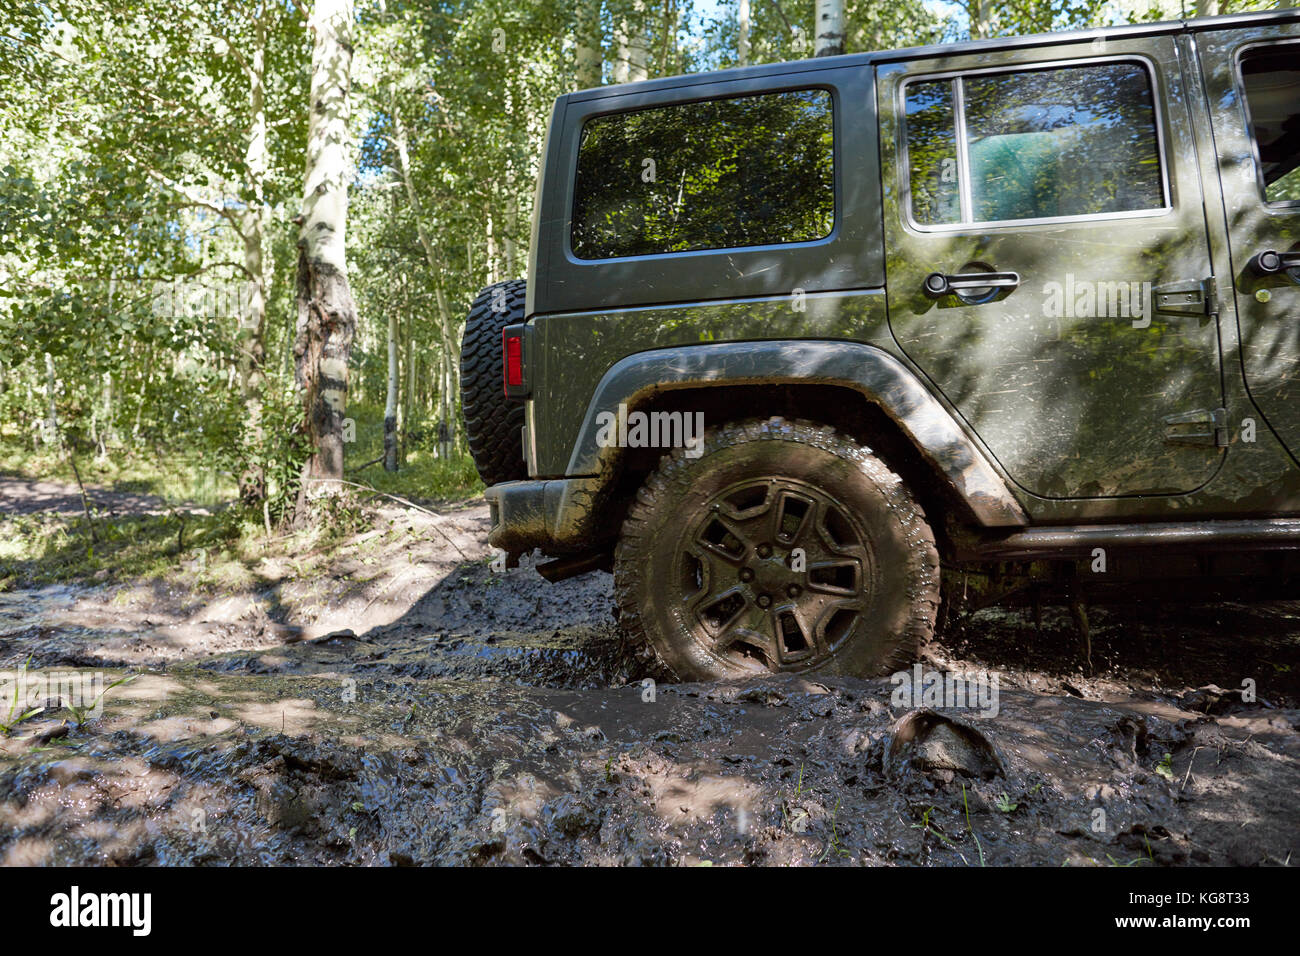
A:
{"x": 386, "y": 697}
{"x": 29, "y": 496}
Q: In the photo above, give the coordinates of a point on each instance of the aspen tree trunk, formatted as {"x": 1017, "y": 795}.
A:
{"x": 390, "y": 455}
{"x": 632, "y": 56}
{"x": 742, "y": 42}
{"x": 390, "y": 405}
{"x": 980, "y": 13}
{"x": 619, "y": 69}
{"x": 508, "y": 239}
{"x": 52, "y": 433}
{"x": 407, "y": 403}
{"x": 450, "y": 353}
{"x": 589, "y": 59}
{"x": 326, "y": 313}
{"x": 830, "y": 28}
{"x": 638, "y": 50}
{"x": 143, "y": 391}
{"x": 447, "y": 375}
{"x": 107, "y": 434}
{"x": 104, "y": 411}
{"x": 412, "y": 197}
{"x": 252, "y": 483}
{"x": 670, "y": 35}
{"x": 490, "y": 231}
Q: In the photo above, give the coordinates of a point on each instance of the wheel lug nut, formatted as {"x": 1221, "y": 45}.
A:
{"x": 764, "y": 600}
{"x": 793, "y": 590}
{"x": 764, "y": 550}
{"x": 746, "y": 574}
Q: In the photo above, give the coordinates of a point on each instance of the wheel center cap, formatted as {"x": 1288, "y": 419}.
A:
{"x": 771, "y": 575}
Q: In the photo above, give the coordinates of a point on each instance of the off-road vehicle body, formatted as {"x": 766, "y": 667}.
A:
{"x": 1022, "y": 299}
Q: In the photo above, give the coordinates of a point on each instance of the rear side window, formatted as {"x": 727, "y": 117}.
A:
{"x": 1046, "y": 144}
{"x": 715, "y": 174}
{"x": 932, "y": 153}
{"x": 1271, "y": 78}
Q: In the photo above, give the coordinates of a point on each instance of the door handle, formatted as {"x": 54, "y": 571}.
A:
{"x": 1269, "y": 263}
{"x": 937, "y": 284}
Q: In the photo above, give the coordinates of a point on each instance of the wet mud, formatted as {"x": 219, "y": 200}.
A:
{"x": 440, "y": 713}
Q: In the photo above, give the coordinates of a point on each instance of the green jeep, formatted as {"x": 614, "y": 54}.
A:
{"x": 800, "y": 341}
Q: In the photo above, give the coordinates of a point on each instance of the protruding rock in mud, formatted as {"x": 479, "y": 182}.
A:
{"x": 1211, "y": 699}
{"x": 929, "y": 741}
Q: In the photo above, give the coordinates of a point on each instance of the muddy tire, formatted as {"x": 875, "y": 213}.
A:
{"x": 492, "y": 424}
{"x": 708, "y": 575}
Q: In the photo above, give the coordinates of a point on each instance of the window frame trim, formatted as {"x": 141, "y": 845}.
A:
{"x": 963, "y": 157}
{"x": 1239, "y": 83}
{"x": 836, "y": 200}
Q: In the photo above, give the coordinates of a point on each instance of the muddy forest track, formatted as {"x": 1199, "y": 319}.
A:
{"x": 404, "y": 705}
{"x": 22, "y": 496}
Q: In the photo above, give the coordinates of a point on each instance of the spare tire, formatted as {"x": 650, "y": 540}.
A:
{"x": 492, "y": 424}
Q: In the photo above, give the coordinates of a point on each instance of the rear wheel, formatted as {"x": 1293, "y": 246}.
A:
{"x": 492, "y": 424}
{"x": 781, "y": 547}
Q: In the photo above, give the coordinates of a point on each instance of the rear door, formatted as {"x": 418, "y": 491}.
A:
{"x": 1252, "y": 77}
{"x": 1047, "y": 261}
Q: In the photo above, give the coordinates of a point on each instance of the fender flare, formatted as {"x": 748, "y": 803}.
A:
{"x": 880, "y": 377}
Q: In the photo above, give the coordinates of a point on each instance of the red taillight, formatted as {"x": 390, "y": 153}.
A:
{"x": 514, "y": 352}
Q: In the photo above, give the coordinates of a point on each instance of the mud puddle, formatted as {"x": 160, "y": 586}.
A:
{"x": 458, "y": 716}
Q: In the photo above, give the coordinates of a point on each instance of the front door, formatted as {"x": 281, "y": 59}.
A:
{"x": 1253, "y": 80}
{"x": 1047, "y": 263}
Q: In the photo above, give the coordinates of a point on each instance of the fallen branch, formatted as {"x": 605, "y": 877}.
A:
{"x": 385, "y": 589}
{"x": 85, "y": 503}
{"x": 403, "y": 501}
{"x": 361, "y": 468}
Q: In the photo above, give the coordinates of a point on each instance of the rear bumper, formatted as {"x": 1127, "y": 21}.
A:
{"x": 557, "y": 515}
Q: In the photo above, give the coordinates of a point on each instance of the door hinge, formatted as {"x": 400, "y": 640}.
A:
{"x": 1200, "y": 428}
{"x": 1194, "y": 297}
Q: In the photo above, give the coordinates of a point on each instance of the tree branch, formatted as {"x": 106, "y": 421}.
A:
{"x": 181, "y": 189}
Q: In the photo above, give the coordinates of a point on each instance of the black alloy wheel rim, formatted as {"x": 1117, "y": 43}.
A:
{"x": 746, "y": 597}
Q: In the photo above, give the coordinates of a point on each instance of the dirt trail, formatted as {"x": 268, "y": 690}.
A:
{"x": 24, "y": 496}
{"x": 412, "y": 706}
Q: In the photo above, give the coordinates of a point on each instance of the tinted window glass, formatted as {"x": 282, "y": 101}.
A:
{"x": 1074, "y": 142}
{"x": 717, "y": 174}
{"x": 932, "y": 153}
{"x": 1272, "y": 81}
{"x": 1078, "y": 141}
